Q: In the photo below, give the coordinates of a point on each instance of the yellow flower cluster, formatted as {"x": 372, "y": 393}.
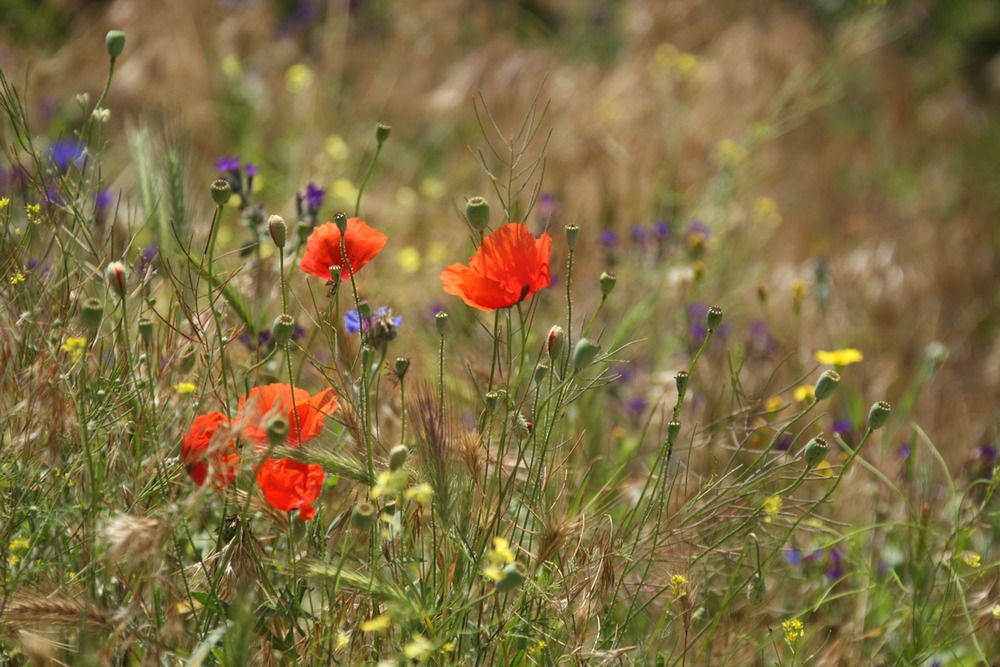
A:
{"x": 75, "y": 346}
{"x": 842, "y": 357}
{"x": 499, "y": 556}
{"x": 794, "y": 631}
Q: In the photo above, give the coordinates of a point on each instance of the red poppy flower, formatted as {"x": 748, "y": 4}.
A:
{"x": 361, "y": 242}
{"x": 510, "y": 265}
{"x": 290, "y": 485}
{"x": 205, "y": 450}
{"x": 262, "y": 404}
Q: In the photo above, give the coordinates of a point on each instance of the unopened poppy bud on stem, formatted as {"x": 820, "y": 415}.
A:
{"x": 278, "y": 230}
{"x": 336, "y": 271}
{"x": 114, "y": 42}
{"x": 382, "y": 132}
{"x": 608, "y": 281}
{"x": 879, "y": 415}
{"x": 815, "y": 451}
{"x": 146, "y": 330}
{"x": 221, "y": 191}
{"x": 398, "y": 456}
{"x": 584, "y": 354}
{"x": 402, "y": 365}
{"x": 714, "y": 318}
{"x": 477, "y": 210}
{"x": 491, "y": 400}
{"x": 673, "y": 430}
{"x": 283, "y": 329}
{"x": 541, "y": 370}
{"x": 117, "y": 278}
{"x": 826, "y": 385}
{"x": 556, "y": 340}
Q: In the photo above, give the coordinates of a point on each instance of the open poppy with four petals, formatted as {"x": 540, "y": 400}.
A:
{"x": 303, "y": 412}
{"x": 361, "y": 244}
{"x": 509, "y": 266}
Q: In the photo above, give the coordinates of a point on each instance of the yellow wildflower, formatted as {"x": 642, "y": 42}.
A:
{"x": 537, "y": 648}
{"x": 17, "y": 278}
{"x": 679, "y": 584}
{"x": 448, "y": 647}
{"x": 389, "y": 483}
{"x": 772, "y": 505}
{"x": 433, "y": 188}
{"x": 501, "y": 552}
{"x": 343, "y": 639}
{"x": 298, "y": 77}
{"x": 804, "y": 392}
{"x": 773, "y": 404}
{"x": 421, "y": 494}
{"x": 185, "y": 388}
{"x": 231, "y": 67}
{"x": 409, "y": 259}
{"x": 996, "y": 611}
{"x": 34, "y": 213}
{"x": 419, "y": 648}
{"x": 794, "y": 630}
{"x": 4, "y": 202}
{"x": 336, "y": 148}
{"x": 823, "y": 469}
{"x": 842, "y": 357}
{"x": 75, "y": 346}
{"x": 728, "y": 153}
{"x": 380, "y": 623}
{"x": 972, "y": 559}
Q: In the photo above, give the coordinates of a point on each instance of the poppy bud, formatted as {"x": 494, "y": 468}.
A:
{"x": 879, "y": 415}
{"x": 815, "y": 451}
{"x": 398, "y": 456}
{"x": 477, "y": 210}
{"x": 114, "y": 41}
{"x": 363, "y": 516}
{"x": 514, "y": 575}
{"x": 278, "y": 229}
{"x": 277, "y": 430}
{"x": 541, "y": 370}
{"x": 340, "y": 219}
{"x": 402, "y": 365}
{"x": 382, "y": 131}
{"x": 92, "y": 311}
{"x": 572, "y": 234}
{"x": 673, "y": 430}
{"x": 608, "y": 281}
{"x": 117, "y": 278}
{"x": 584, "y": 354}
{"x": 826, "y": 385}
{"x": 283, "y": 329}
{"x": 491, "y": 399}
{"x": 441, "y": 322}
{"x": 221, "y": 191}
{"x": 335, "y": 272}
{"x": 557, "y": 338}
{"x": 682, "y": 378}
{"x": 714, "y": 318}
{"x": 146, "y": 330}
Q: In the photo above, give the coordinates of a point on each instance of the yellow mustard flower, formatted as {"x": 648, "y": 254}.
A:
{"x": 380, "y": 623}
{"x": 794, "y": 631}
{"x": 841, "y": 357}
{"x": 804, "y": 392}
{"x": 678, "y": 583}
{"x": 4, "y": 202}
{"x": 75, "y": 346}
{"x": 972, "y": 559}
{"x": 185, "y": 388}
{"x": 421, "y": 494}
{"x": 501, "y": 551}
{"x": 772, "y": 505}
{"x": 34, "y": 213}
{"x": 17, "y": 278}
{"x": 538, "y": 647}
{"x": 419, "y": 648}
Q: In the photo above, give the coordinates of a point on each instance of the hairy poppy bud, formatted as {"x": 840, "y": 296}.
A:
{"x": 117, "y": 278}
{"x": 402, "y": 365}
{"x": 278, "y": 229}
{"x": 441, "y": 323}
{"x": 477, "y": 210}
{"x": 826, "y": 385}
{"x": 491, "y": 400}
{"x": 398, "y": 456}
{"x": 556, "y": 340}
{"x": 815, "y": 451}
{"x": 541, "y": 370}
{"x": 584, "y": 354}
{"x": 114, "y": 42}
{"x": 879, "y": 415}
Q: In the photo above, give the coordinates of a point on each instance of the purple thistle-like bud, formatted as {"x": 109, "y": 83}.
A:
{"x": 314, "y": 197}
{"x": 228, "y": 163}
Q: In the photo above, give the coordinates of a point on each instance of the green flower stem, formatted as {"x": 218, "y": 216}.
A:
{"x": 568, "y": 347}
{"x": 368, "y": 174}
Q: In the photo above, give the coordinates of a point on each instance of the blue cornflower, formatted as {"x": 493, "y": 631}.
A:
{"x": 64, "y": 151}
{"x": 380, "y": 327}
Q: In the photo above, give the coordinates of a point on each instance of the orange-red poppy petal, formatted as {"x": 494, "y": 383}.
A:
{"x": 262, "y": 404}
{"x": 291, "y": 485}
{"x": 509, "y": 266}
{"x": 361, "y": 242}
{"x": 206, "y": 454}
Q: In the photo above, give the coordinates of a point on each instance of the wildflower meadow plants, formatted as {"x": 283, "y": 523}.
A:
{"x": 461, "y": 490}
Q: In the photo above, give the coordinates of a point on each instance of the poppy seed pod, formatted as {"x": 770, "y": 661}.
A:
{"x": 340, "y": 220}
{"x": 277, "y": 430}
{"x": 441, "y": 323}
{"x": 682, "y": 378}
{"x": 398, "y": 456}
{"x": 114, "y": 42}
{"x": 608, "y": 281}
{"x": 541, "y": 370}
{"x": 92, "y": 311}
{"x": 382, "y": 131}
{"x": 491, "y": 400}
{"x": 222, "y": 191}
{"x": 826, "y": 384}
{"x": 673, "y": 430}
{"x": 146, "y": 330}
{"x": 402, "y": 365}
{"x": 283, "y": 329}
{"x": 477, "y": 210}
{"x": 879, "y": 415}
{"x": 714, "y": 318}
{"x": 363, "y": 516}
{"x": 572, "y": 234}
{"x": 815, "y": 451}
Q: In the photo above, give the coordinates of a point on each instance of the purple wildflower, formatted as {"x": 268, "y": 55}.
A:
{"x": 380, "y": 326}
{"x": 263, "y": 337}
{"x": 228, "y": 163}
{"x": 608, "y": 238}
{"x": 762, "y": 342}
{"x": 637, "y": 405}
{"x": 697, "y": 235}
{"x": 102, "y": 199}
{"x": 146, "y": 260}
{"x": 548, "y": 205}
{"x": 252, "y": 169}
{"x": 638, "y": 234}
{"x": 64, "y": 151}
{"x": 904, "y": 451}
{"x": 835, "y": 565}
{"x": 661, "y": 230}
{"x": 314, "y": 196}
{"x": 792, "y": 556}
